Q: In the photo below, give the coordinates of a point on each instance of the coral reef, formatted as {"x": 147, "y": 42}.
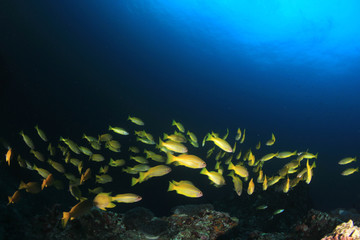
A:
{"x": 139, "y": 223}
{"x": 344, "y": 231}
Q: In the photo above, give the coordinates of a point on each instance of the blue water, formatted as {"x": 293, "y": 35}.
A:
{"x": 268, "y": 66}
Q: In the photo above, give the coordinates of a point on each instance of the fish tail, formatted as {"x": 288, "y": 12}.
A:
{"x": 134, "y": 181}
{"x": 316, "y": 156}
{"x": 170, "y": 158}
{"x": 9, "y": 197}
{"x": 231, "y": 165}
{"x": 173, "y": 123}
{"x": 165, "y": 136}
{"x": 171, "y": 186}
{"x": 129, "y": 117}
{"x": 65, "y": 219}
{"x": 22, "y": 185}
{"x": 204, "y": 171}
{"x": 110, "y": 127}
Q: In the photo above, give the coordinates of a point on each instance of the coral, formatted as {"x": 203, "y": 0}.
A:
{"x": 344, "y": 231}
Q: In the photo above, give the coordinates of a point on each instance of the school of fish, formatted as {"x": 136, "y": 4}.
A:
{"x": 68, "y": 161}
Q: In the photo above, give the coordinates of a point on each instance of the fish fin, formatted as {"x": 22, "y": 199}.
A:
{"x": 204, "y": 171}
{"x": 171, "y": 186}
{"x": 65, "y": 219}
{"x": 134, "y": 181}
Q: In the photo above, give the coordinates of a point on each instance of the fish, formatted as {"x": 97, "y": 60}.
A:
{"x": 27, "y": 140}
{"x": 243, "y": 137}
{"x": 271, "y": 141}
{"x": 136, "y": 120}
{"x": 38, "y": 155}
{"x": 215, "y": 177}
{"x": 52, "y": 150}
{"x": 347, "y": 160}
{"x": 76, "y": 211}
{"x": 238, "y": 184}
{"x": 103, "y": 201}
{"x": 153, "y": 156}
{"x": 47, "y": 182}
{"x": 95, "y": 145}
{"x": 57, "y": 166}
{"x": 138, "y": 168}
{"x": 157, "y": 171}
{"x": 104, "y": 178}
{"x": 190, "y": 161}
{"x": 258, "y": 145}
{"x": 308, "y": 172}
{"x": 262, "y": 207}
{"x": 14, "y": 198}
{"x": 175, "y": 138}
{"x": 192, "y": 136}
{"x": 41, "y": 133}
{"x": 31, "y": 187}
{"x": 238, "y": 134}
{"x": 238, "y": 156}
{"x": 97, "y": 157}
{"x": 105, "y": 137}
{"x": 118, "y": 130}
{"x": 173, "y": 146}
{"x": 95, "y": 190}
{"x": 85, "y": 176}
{"x": 72, "y": 145}
{"x": 139, "y": 159}
{"x": 285, "y": 154}
{"x": 251, "y": 187}
{"x": 268, "y": 156}
{"x": 8, "y": 156}
{"x": 221, "y": 143}
{"x": 145, "y": 140}
{"x": 126, "y": 198}
{"x": 265, "y": 184}
{"x": 104, "y": 169}
{"x": 286, "y": 185}
{"x": 85, "y": 150}
{"x": 178, "y": 125}
{"x": 278, "y": 211}
{"x": 75, "y": 192}
{"x": 239, "y": 170}
{"x": 134, "y": 149}
{"x": 185, "y": 188}
{"x": 89, "y": 138}
{"x": 43, "y": 172}
{"x": 308, "y": 155}
{"x": 116, "y": 163}
{"x": 349, "y": 171}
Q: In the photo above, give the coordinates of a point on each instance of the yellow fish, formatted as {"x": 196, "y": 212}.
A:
{"x": 48, "y": 181}
{"x": 103, "y": 201}
{"x": 14, "y": 198}
{"x": 271, "y": 141}
{"x": 243, "y": 137}
{"x": 41, "y": 133}
{"x": 136, "y": 120}
{"x": 31, "y": 187}
{"x": 238, "y": 184}
{"x": 185, "y": 188}
{"x": 285, "y": 154}
{"x": 238, "y": 135}
{"x": 8, "y": 156}
{"x": 268, "y": 156}
{"x": 178, "y": 125}
{"x": 215, "y": 177}
{"x": 173, "y": 146}
{"x": 126, "y": 198}
{"x": 239, "y": 170}
{"x": 27, "y": 140}
{"x": 347, "y": 160}
{"x": 221, "y": 143}
{"x": 157, "y": 171}
{"x": 349, "y": 171}
{"x": 190, "y": 161}
{"x": 72, "y": 145}
{"x": 286, "y": 185}
{"x": 78, "y": 210}
{"x": 251, "y": 187}
{"x": 118, "y": 130}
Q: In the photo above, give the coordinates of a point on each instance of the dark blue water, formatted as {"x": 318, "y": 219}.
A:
{"x": 76, "y": 67}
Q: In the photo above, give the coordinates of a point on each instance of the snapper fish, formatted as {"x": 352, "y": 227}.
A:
{"x": 41, "y": 133}
{"x": 76, "y": 211}
{"x": 27, "y": 140}
{"x": 185, "y": 188}
{"x": 157, "y": 171}
{"x": 126, "y": 198}
{"x": 118, "y": 130}
{"x": 347, "y": 160}
{"x": 178, "y": 125}
{"x": 190, "y": 161}
{"x": 215, "y": 177}
{"x": 271, "y": 141}
{"x": 136, "y": 120}
{"x": 221, "y": 143}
